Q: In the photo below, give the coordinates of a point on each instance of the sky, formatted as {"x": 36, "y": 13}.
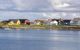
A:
{"x": 33, "y": 9}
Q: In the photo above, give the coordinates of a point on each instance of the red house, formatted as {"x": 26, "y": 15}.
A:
{"x": 27, "y": 22}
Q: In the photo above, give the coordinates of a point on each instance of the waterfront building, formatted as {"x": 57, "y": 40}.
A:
{"x": 75, "y": 21}
{"x": 25, "y": 21}
{"x": 53, "y": 21}
{"x": 39, "y": 22}
{"x": 19, "y": 22}
{"x": 11, "y": 23}
{"x": 65, "y": 22}
{"x": 14, "y": 22}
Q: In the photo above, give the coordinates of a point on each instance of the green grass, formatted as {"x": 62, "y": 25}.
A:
{"x": 33, "y": 26}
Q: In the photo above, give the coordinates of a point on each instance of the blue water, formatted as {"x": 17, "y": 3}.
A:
{"x": 22, "y": 39}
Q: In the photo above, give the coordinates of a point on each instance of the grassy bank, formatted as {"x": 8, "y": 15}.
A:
{"x": 58, "y": 27}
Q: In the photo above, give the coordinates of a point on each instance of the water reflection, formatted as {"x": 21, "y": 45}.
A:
{"x": 22, "y": 39}
{"x": 68, "y": 36}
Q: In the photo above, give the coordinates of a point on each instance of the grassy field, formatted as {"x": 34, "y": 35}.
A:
{"x": 58, "y": 27}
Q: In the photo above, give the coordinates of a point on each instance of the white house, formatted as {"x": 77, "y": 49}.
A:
{"x": 54, "y": 22}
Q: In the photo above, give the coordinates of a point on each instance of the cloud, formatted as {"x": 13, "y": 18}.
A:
{"x": 40, "y": 8}
{"x": 6, "y": 4}
{"x": 46, "y": 5}
{"x": 64, "y": 15}
{"x": 4, "y": 15}
{"x": 65, "y": 5}
{"x": 32, "y": 5}
{"x": 61, "y": 5}
{"x": 40, "y": 5}
{"x": 22, "y": 5}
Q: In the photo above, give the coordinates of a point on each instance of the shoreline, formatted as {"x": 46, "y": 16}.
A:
{"x": 43, "y": 27}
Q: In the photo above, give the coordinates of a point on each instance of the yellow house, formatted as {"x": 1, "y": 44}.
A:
{"x": 15, "y": 22}
{"x": 11, "y": 23}
{"x": 18, "y": 22}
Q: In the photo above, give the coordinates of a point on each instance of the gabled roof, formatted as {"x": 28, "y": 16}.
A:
{"x": 60, "y": 19}
{"x": 76, "y": 19}
{"x": 42, "y": 20}
{"x": 66, "y": 20}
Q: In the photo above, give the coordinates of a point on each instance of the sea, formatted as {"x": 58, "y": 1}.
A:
{"x": 39, "y": 39}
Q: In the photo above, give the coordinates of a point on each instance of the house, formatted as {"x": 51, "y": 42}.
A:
{"x": 14, "y": 22}
{"x": 60, "y": 21}
{"x": 11, "y": 23}
{"x": 40, "y": 21}
{"x": 65, "y": 22}
{"x": 53, "y": 21}
{"x": 25, "y": 21}
{"x": 75, "y": 21}
{"x": 19, "y": 21}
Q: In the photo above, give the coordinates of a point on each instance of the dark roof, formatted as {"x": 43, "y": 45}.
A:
{"x": 22, "y": 19}
{"x": 17, "y": 19}
{"x": 4, "y": 21}
{"x": 61, "y": 19}
{"x": 67, "y": 19}
{"x": 54, "y": 19}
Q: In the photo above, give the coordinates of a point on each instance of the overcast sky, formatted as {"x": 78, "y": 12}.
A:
{"x": 33, "y": 9}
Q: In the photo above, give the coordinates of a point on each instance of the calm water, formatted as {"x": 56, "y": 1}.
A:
{"x": 16, "y": 39}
